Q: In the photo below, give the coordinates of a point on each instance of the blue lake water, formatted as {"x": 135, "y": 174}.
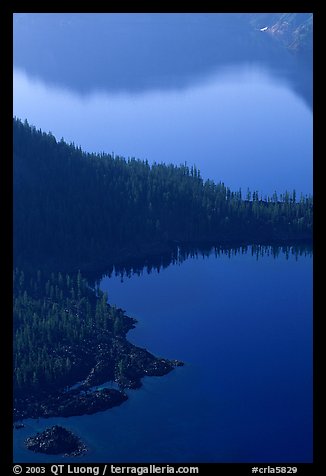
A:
{"x": 242, "y": 127}
{"x": 243, "y": 327}
{"x": 171, "y": 88}
{"x": 207, "y": 90}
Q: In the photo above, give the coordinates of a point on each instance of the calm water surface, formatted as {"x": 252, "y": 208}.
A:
{"x": 243, "y": 327}
{"x": 206, "y": 90}
{"x": 242, "y": 126}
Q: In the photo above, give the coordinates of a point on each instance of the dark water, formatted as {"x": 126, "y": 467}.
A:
{"x": 213, "y": 91}
{"x": 207, "y": 89}
{"x": 243, "y": 327}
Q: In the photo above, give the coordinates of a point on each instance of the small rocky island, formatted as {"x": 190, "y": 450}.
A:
{"x": 56, "y": 440}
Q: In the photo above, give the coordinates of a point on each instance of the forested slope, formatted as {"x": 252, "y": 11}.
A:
{"x": 73, "y": 209}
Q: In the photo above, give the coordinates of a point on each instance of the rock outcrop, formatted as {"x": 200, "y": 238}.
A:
{"x": 56, "y": 440}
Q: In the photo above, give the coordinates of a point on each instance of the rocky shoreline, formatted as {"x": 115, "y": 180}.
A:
{"x": 117, "y": 361}
{"x": 94, "y": 360}
{"x": 85, "y": 400}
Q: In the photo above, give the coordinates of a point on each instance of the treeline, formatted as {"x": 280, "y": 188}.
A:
{"x": 178, "y": 254}
{"x": 73, "y": 209}
{"x": 58, "y": 322}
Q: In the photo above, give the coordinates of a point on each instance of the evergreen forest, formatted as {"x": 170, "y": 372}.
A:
{"x": 74, "y": 210}
{"x": 78, "y": 212}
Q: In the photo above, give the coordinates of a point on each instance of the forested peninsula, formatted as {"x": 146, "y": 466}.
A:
{"x": 77, "y": 213}
{"x": 65, "y": 334}
{"x": 75, "y": 210}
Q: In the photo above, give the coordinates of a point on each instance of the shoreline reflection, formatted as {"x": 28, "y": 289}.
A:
{"x": 176, "y": 255}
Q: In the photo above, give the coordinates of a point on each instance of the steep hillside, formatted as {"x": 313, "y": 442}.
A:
{"x": 292, "y": 30}
{"x": 73, "y": 210}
